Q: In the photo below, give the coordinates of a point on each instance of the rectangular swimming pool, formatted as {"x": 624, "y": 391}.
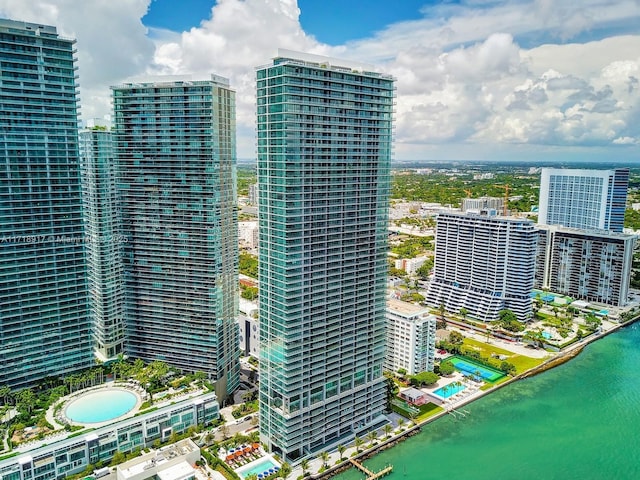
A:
{"x": 474, "y": 369}
{"x": 449, "y": 390}
{"x": 262, "y": 466}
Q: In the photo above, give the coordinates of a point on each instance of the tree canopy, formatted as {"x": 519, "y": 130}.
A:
{"x": 424, "y": 378}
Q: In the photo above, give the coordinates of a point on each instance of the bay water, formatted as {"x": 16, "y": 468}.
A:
{"x": 580, "y": 421}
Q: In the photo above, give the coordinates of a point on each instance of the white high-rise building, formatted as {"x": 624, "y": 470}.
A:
{"x": 411, "y": 338}
{"x": 580, "y": 198}
{"x": 324, "y": 152}
{"x": 483, "y": 264}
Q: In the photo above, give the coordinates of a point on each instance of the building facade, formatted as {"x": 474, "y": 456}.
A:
{"x": 103, "y": 231}
{"x": 411, "y": 338}
{"x": 483, "y": 264}
{"x": 173, "y": 462}
{"x": 174, "y": 143}
{"x": 586, "y": 265}
{"x": 44, "y": 322}
{"x": 74, "y": 454}
{"x": 324, "y": 151}
{"x": 585, "y": 199}
{"x": 482, "y": 204}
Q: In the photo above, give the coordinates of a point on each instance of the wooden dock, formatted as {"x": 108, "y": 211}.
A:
{"x": 372, "y": 475}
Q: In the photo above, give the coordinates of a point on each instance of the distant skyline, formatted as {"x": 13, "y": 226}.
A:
{"x": 477, "y": 80}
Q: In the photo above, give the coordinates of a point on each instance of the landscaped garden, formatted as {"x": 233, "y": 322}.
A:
{"x": 23, "y": 413}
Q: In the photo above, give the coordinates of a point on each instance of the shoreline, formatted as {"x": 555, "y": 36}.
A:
{"x": 562, "y": 357}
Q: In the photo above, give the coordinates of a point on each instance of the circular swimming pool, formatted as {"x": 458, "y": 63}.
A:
{"x": 101, "y": 406}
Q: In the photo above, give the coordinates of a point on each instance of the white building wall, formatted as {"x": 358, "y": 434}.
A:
{"x": 411, "y": 338}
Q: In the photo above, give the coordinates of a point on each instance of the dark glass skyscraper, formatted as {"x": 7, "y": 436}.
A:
{"x": 44, "y": 325}
{"x": 324, "y": 152}
{"x": 175, "y": 148}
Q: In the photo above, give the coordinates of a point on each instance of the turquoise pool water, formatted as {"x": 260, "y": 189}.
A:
{"x": 449, "y": 390}
{"x": 257, "y": 469}
{"x": 101, "y": 406}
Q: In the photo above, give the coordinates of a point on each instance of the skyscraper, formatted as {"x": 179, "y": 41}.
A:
{"x": 44, "y": 325}
{"x": 104, "y": 242}
{"x": 586, "y": 264}
{"x": 175, "y": 149}
{"x": 483, "y": 263}
{"x": 324, "y": 149}
{"x": 585, "y": 199}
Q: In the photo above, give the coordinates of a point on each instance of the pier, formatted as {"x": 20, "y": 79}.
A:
{"x": 372, "y": 475}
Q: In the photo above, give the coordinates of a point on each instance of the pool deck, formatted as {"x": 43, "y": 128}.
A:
{"x": 249, "y": 466}
{"x": 58, "y": 421}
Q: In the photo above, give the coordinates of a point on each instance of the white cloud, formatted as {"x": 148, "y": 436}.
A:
{"x": 112, "y": 41}
{"x": 465, "y": 81}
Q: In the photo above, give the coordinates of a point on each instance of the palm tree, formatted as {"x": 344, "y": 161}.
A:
{"x": 26, "y": 400}
{"x": 445, "y": 389}
{"x": 387, "y": 430}
{"x": 441, "y": 309}
{"x": 358, "y": 443}
{"x": 5, "y": 393}
{"x": 324, "y": 456}
{"x": 304, "y": 464}
{"x": 224, "y": 430}
{"x": 285, "y": 470}
{"x": 400, "y": 423}
{"x": 341, "y": 449}
{"x": 464, "y": 312}
{"x": 372, "y": 436}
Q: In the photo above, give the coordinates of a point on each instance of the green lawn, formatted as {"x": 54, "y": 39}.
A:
{"x": 521, "y": 362}
{"x": 428, "y": 410}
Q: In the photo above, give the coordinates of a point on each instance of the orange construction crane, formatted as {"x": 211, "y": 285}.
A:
{"x": 506, "y": 197}
{"x": 468, "y": 192}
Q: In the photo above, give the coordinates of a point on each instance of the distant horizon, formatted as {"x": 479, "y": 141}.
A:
{"x": 602, "y": 165}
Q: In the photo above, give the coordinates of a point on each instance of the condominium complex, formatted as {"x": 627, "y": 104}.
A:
{"x": 411, "y": 338}
{"x": 104, "y": 242}
{"x": 484, "y": 264}
{"x": 174, "y": 142}
{"x": 483, "y": 204}
{"x": 44, "y": 321}
{"x": 587, "y": 265}
{"x": 324, "y": 149}
{"x": 68, "y": 456}
{"x": 587, "y": 199}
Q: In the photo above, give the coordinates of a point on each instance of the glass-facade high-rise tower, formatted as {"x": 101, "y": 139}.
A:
{"x": 324, "y": 150}
{"x": 583, "y": 198}
{"x": 44, "y": 324}
{"x": 174, "y": 143}
{"x": 104, "y": 241}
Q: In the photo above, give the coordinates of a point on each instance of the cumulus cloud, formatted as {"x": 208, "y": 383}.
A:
{"x": 467, "y": 74}
{"x": 112, "y": 42}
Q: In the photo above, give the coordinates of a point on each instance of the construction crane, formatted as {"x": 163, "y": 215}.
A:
{"x": 506, "y": 189}
{"x": 468, "y": 192}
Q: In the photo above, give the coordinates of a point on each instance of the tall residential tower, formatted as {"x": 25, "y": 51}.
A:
{"x": 324, "y": 150}
{"x": 104, "y": 241}
{"x": 484, "y": 264}
{"x": 588, "y": 199}
{"x": 44, "y": 324}
{"x": 174, "y": 143}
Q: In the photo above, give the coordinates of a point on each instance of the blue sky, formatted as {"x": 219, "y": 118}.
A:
{"x": 476, "y": 79}
{"x": 331, "y": 21}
